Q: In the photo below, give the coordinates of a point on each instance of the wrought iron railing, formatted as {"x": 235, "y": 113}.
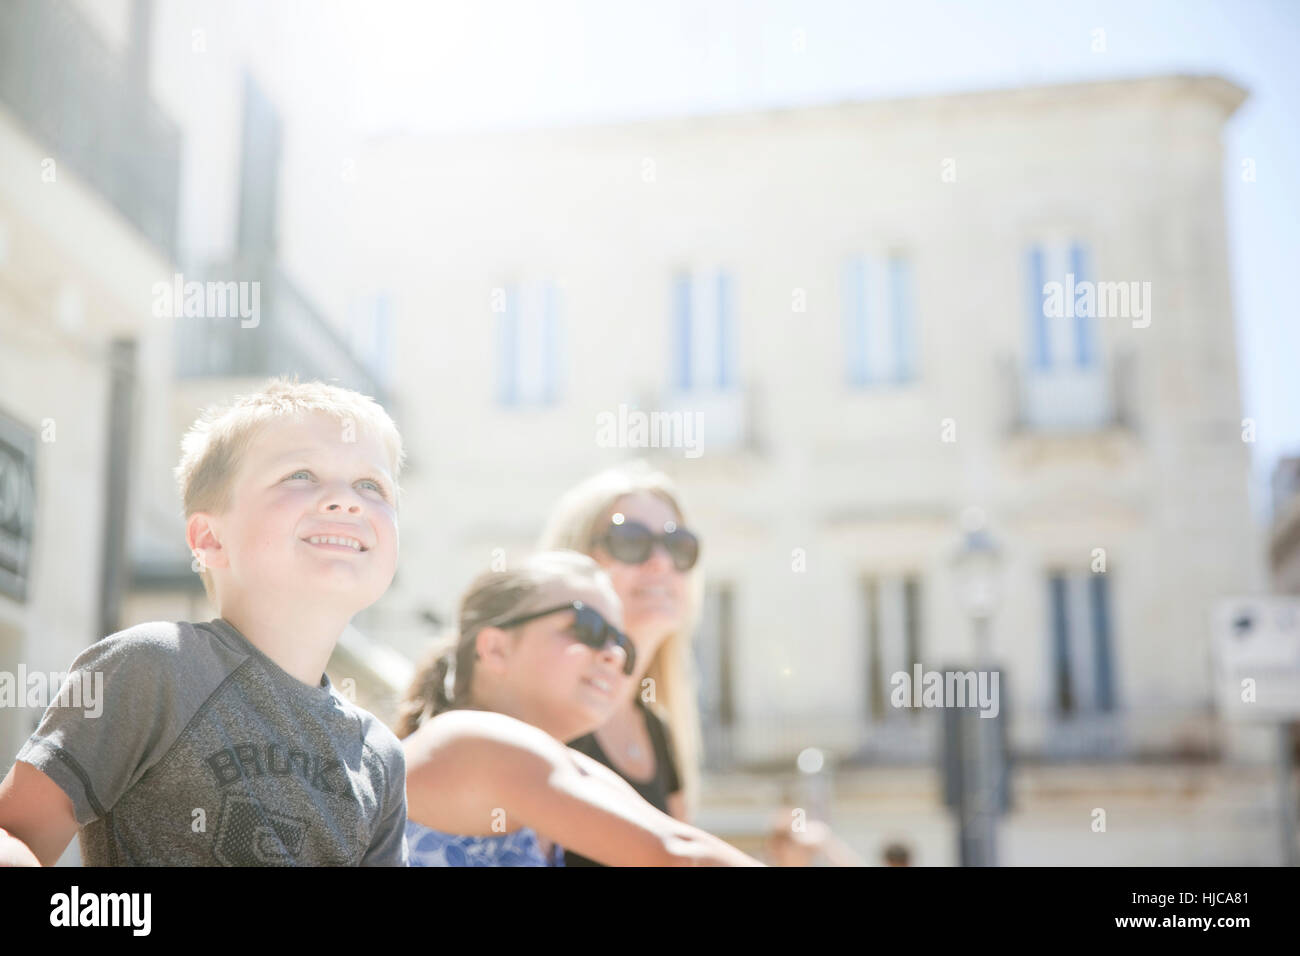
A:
{"x": 1070, "y": 399}
{"x": 914, "y": 738}
{"x": 289, "y": 336}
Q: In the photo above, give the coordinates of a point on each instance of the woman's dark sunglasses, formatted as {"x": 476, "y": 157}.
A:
{"x": 588, "y": 627}
{"x": 632, "y": 543}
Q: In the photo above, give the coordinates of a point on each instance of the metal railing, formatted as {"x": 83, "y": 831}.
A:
{"x": 775, "y": 742}
{"x": 1145, "y": 735}
{"x": 291, "y": 336}
{"x": 728, "y": 418}
{"x": 1070, "y": 400}
{"x": 915, "y": 737}
{"x": 91, "y": 110}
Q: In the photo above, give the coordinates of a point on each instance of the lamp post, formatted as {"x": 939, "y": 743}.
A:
{"x": 978, "y": 565}
{"x": 980, "y": 759}
{"x": 814, "y": 783}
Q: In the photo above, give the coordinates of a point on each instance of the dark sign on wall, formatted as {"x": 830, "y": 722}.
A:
{"x": 17, "y": 505}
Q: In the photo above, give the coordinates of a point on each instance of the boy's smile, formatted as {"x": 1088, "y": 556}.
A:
{"x": 337, "y": 538}
{"x": 338, "y": 544}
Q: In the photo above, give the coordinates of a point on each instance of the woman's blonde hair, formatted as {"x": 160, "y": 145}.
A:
{"x": 578, "y": 520}
{"x": 445, "y": 675}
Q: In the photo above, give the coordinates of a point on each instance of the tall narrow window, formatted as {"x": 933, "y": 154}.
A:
{"x": 911, "y": 620}
{"x": 371, "y": 334}
{"x": 1099, "y": 593}
{"x": 1060, "y": 644}
{"x": 892, "y": 615}
{"x": 879, "y": 326}
{"x": 1062, "y": 332}
{"x": 877, "y": 699}
{"x": 508, "y": 349}
{"x": 704, "y": 335}
{"x": 528, "y": 345}
{"x": 1082, "y": 661}
{"x": 714, "y": 656}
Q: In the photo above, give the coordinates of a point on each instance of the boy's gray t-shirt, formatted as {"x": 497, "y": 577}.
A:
{"x": 207, "y": 753}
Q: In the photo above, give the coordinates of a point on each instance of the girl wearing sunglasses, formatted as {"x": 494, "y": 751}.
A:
{"x": 629, "y": 520}
{"x": 538, "y": 659}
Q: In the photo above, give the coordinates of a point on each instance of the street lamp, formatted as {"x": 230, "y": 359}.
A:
{"x": 978, "y": 565}
{"x": 976, "y": 742}
{"x": 814, "y": 782}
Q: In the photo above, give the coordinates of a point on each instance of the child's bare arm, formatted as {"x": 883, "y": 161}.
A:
{"x": 463, "y": 768}
{"x": 14, "y": 852}
{"x": 688, "y": 845}
{"x": 36, "y": 814}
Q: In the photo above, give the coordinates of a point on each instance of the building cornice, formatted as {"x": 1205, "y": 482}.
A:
{"x": 1209, "y": 88}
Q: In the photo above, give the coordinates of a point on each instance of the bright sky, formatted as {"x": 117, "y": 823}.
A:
{"x": 492, "y": 63}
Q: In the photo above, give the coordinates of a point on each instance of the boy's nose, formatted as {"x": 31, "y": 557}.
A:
{"x": 341, "y": 499}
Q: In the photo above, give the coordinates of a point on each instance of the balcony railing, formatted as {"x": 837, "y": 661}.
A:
{"x": 291, "y": 336}
{"x": 90, "y": 109}
{"x": 1190, "y": 734}
{"x": 915, "y": 738}
{"x": 722, "y": 421}
{"x": 1070, "y": 399}
{"x": 775, "y": 742}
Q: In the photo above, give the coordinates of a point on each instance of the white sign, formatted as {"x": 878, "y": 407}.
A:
{"x": 1257, "y": 658}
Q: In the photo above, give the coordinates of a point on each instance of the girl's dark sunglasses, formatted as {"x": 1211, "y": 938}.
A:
{"x": 589, "y": 628}
{"x": 632, "y": 543}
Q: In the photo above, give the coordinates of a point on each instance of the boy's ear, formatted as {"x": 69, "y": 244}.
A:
{"x": 202, "y": 537}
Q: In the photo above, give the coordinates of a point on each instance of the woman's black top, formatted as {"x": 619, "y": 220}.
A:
{"x": 655, "y": 790}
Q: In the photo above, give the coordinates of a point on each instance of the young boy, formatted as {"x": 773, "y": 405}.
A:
{"x": 224, "y": 743}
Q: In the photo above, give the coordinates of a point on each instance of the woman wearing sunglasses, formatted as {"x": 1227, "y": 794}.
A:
{"x": 538, "y": 659}
{"x": 629, "y": 520}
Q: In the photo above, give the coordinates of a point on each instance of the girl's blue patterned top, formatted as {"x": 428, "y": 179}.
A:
{"x": 435, "y": 848}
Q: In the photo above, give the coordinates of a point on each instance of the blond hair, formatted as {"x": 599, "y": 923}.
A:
{"x": 576, "y": 523}
{"x": 445, "y": 675}
{"x": 216, "y": 443}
